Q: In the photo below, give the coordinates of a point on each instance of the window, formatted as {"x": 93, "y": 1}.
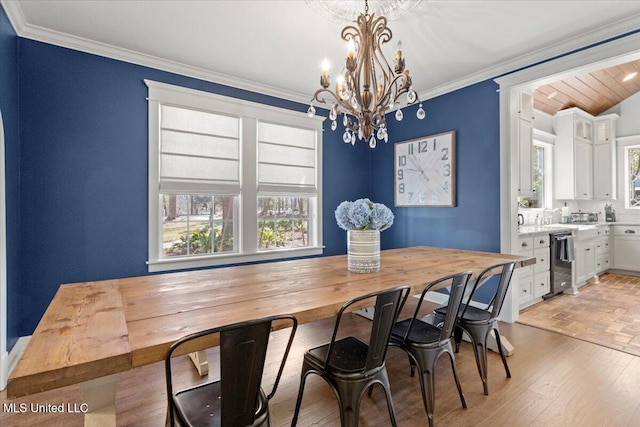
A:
{"x": 229, "y": 180}
{"x": 632, "y": 176}
{"x": 541, "y": 172}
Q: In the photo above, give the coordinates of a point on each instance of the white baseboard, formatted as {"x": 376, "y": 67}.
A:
{"x": 9, "y": 361}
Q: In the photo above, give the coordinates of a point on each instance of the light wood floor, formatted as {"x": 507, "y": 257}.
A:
{"x": 557, "y": 381}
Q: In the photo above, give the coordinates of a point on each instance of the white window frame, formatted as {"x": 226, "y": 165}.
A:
{"x": 250, "y": 113}
{"x": 632, "y": 143}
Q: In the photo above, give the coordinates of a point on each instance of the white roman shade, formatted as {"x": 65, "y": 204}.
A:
{"x": 199, "y": 152}
{"x": 286, "y": 159}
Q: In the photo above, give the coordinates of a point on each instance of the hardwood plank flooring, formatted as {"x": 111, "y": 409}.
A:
{"x": 556, "y": 381}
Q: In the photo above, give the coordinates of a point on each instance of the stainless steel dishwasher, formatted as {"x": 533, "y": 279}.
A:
{"x": 561, "y": 256}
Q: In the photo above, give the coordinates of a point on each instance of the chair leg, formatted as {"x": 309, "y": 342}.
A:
{"x": 455, "y": 376}
{"x": 480, "y": 351}
{"x": 457, "y": 337}
{"x": 296, "y": 412}
{"x": 504, "y": 359}
{"x": 427, "y": 386}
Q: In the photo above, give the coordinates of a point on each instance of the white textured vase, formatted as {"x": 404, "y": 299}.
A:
{"x": 363, "y": 251}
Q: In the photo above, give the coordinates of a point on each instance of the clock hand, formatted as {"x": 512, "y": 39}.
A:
{"x": 412, "y": 157}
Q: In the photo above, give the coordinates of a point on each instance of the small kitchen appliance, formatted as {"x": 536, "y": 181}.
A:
{"x": 584, "y": 217}
{"x": 609, "y": 213}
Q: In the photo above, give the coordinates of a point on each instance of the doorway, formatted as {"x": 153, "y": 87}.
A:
{"x": 601, "y": 56}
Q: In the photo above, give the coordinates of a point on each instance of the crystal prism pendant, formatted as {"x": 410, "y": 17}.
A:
{"x": 345, "y": 120}
{"x": 333, "y": 114}
{"x": 334, "y": 125}
{"x": 399, "y": 115}
{"x": 372, "y": 142}
{"x": 412, "y": 96}
{"x": 420, "y": 114}
{"x": 353, "y": 139}
{"x": 346, "y": 137}
{"x": 311, "y": 111}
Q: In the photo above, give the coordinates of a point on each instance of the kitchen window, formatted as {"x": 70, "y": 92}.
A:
{"x": 632, "y": 176}
{"x": 541, "y": 162}
{"x": 230, "y": 181}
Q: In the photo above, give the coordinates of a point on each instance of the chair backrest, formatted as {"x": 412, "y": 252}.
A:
{"x": 458, "y": 283}
{"x": 388, "y": 304}
{"x": 502, "y": 272}
{"x": 243, "y": 350}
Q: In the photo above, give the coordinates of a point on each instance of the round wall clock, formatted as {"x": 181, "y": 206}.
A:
{"x": 425, "y": 171}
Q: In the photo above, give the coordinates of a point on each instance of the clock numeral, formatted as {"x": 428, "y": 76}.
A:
{"x": 447, "y": 170}
{"x": 422, "y": 146}
{"x": 410, "y": 195}
{"x": 434, "y": 144}
{"x": 400, "y": 174}
{"x": 410, "y": 148}
{"x": 401, "y": 188}
{"x": 445, "y": 156}
{"x": 402, "y": 160}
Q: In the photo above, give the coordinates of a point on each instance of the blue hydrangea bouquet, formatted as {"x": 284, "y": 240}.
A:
{"x": 363, "y": 214}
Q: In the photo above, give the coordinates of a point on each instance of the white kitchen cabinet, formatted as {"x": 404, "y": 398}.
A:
{"x": 604, "y": 158}
{"x": 583, "y": 169}
{"x": 525, "y": 144}
{"x": 573, "y": 155}
{"x": 533, "y": 281}
{"x": 626, "y": 247}
{"x": 585, "y": 253}
{"x": 603, "y": 249}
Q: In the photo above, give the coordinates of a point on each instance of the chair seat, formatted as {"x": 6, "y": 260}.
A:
{"x": 350, "y": 355}
{"x": 421, "y": 332}
{"x": 471, "y": 313}
{"x": 201, "y": 405}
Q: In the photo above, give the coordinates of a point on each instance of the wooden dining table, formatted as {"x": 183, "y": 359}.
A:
{"x": 92, "y": 331}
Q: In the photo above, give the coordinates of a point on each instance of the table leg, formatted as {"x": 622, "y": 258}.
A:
{"x": 100, "y": 397}
{"x": 199, "y": 359}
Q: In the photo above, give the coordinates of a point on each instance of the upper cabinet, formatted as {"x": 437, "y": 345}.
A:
{"x": 604, "y": 157}
{"x": 584, "y": 159}
{"x": 525, "y": 141}
{"x": 573, "y": 158}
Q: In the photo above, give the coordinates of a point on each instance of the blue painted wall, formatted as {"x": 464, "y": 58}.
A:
{"x": 84, "y": 170}
{"x": 9, "y": 103}
{"x": 81, "y": 209}
{"x": 473, "y": 113}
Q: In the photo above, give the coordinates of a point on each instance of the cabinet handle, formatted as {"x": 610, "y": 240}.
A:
{"x": 541, "y": 240}
{"x": 630, "y": 231}
{"x": 588, "y": 249}
{"x": 524, "y": 244}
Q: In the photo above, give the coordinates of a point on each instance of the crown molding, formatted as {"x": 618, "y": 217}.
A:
{"x": 37, "y": 33}
{"x": 565, "y": 47}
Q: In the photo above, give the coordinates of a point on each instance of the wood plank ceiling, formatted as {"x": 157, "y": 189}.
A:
{"x": 594, "y": 92}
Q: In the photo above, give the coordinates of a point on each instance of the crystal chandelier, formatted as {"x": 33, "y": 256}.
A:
{"x": 368, "y": 87}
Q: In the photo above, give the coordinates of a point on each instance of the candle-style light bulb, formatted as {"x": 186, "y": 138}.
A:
{"x": 399, "y": 49}
{"x": 351, "y": 48}
{"x": 325, "y": 67}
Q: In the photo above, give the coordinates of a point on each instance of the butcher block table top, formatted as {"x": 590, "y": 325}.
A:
{"x": 95, "y": 329}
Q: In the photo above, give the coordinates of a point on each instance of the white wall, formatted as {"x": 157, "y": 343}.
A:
{"x": 629, "y": 112}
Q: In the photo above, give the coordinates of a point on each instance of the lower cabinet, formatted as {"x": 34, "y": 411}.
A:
{"x": 585, "y": 252}
{"x": 626, "y": 242}
{"x": 533, "y": 281}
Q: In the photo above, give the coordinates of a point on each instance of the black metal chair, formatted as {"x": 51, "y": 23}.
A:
{"x": 424, "y": 343}
{"x": 349, "y": 365}
{"x": 478, "y": 320}
{"x": 237, "y": 398}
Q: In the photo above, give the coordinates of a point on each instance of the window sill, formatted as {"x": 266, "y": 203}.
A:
{"x": 230, "y": 259}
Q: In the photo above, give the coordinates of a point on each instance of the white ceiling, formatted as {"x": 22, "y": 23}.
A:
{"x": 276, "y": 46}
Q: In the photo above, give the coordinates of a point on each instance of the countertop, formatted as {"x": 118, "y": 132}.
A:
{"x": 532, "y": 230}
